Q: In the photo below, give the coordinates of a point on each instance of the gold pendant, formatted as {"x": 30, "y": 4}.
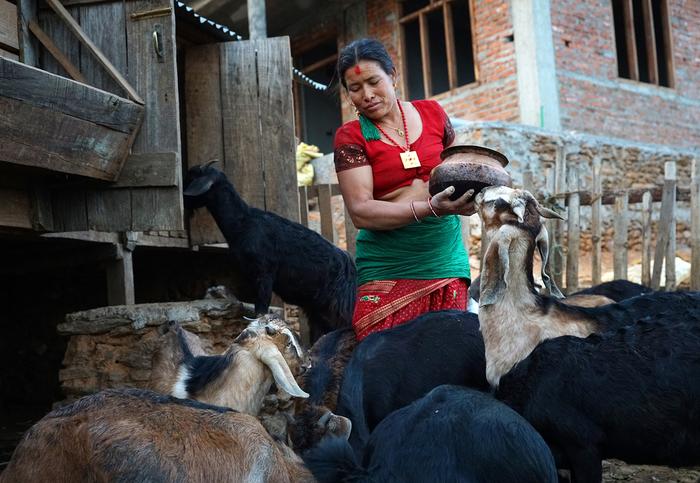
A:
{"x": 410, "y": 160}
{"x": 400, "y": 132}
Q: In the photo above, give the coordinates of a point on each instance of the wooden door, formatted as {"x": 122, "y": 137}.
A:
{"x": 240, "y": 111}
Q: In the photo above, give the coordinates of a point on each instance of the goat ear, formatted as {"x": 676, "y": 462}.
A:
{"x": 547, "y": 213}
{"x": 198, "y": 186}
{"x": 542, "y": 242}
{"x": 491, "y": 285}
{"x": 272, "y": 358}
{"x": 544, "y": 212}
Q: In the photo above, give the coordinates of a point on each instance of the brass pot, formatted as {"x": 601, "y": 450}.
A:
{"x": 469, "y": 167}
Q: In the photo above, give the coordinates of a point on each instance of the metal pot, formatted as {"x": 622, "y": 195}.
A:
{"x": 469, "y": 167}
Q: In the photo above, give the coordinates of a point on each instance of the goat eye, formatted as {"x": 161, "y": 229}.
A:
{"x": 270, "y": 330}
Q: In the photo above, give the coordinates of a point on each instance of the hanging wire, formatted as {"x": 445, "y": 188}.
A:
{"x": 227, "y": 31}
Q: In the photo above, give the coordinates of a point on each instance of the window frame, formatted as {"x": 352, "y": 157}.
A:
{"x": 421, "y": 15}
{"x": 650, "y": 42}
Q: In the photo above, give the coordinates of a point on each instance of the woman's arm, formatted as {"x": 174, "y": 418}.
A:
{"x": 357, "y": 185}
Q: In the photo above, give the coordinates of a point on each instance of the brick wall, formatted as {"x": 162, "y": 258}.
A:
{"x": 593, "y": 99}
{"x": 494, "y": 97}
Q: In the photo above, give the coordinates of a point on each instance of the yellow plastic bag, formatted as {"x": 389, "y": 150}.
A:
{"x": 305, "y": 170}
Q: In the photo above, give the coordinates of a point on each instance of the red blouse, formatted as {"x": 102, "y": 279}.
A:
{"x": 352, "y": 150}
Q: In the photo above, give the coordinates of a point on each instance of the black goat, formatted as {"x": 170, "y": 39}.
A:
{"x": 452, "y": 434}
{"x": 616, "y": 290}
{"x": 270, "y": 253}
{"x": 329, "y": 356}
{"x": 633, "y": 394}
{"x": 393, "y": 368}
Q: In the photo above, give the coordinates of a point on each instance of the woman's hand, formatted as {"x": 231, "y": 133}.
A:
{"x": 464, "y": 205}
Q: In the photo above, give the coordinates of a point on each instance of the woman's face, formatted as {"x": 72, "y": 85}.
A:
{"x": 371, "y": 89}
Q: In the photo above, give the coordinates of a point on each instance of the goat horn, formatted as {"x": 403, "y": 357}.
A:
{"x": 210, "y": 162}
{"x": 272, "y": 358}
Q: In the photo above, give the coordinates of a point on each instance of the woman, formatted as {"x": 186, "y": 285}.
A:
{"x": 410, "y": 255}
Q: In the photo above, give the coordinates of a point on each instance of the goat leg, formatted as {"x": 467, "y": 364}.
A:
{"x": 263, "y": 295}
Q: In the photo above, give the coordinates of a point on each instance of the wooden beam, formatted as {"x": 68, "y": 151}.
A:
{"x": 450, "y": 45}
{"x": 650, "y": 41}
{"x": 668, "y": 205}
{"x": 596, "y": 225}
{"x": 634, "y": 195}
{"x": 85, "y": 40}
{"x": 621, "y": 227}
{"x": 425, "y": 56}
{"x": 325, "y": 207}
{"x": 120, "y": 279}
{"x": 257, "y": 19}
{"x": 48, "y": 44}
{"x": 419, "y": 13}
{"x": 9, "y": 35}
{"x": 573, "y": 234}
{"x": 667, "y": 42}
{"x": 646, "y": 239}
{"x": 630, "y": 39}
{"x": 28, "y": 47}
{"x": 148, "y": 170}
{"x": 695, "y": 225}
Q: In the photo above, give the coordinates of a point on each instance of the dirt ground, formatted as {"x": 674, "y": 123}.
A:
{"x": 615, "y": 471}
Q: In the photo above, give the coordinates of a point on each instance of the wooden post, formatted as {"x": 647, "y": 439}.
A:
{"x": 120, "y": 278}
{"x": 646, "y": 238}
{"x": 671, "y": 282}
{"x": 557, "y": 249}
{"x": 695, "y": 225}
{"x": 257, "y": 21}
{"x": 574, "y": 232}
{"x": 326, "y": 210}
{"x": 303, "y": 206}
{"x": 596, "y": 227}
{"x": 28, "y": 44}
{"x": 668, "y": 202}
{"x": 620, "y": 241}
{"x": 528, "y": 181}
{"x": 551, "y": 225}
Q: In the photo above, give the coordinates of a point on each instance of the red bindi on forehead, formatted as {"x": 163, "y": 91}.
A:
{"x": 357, "y": 69}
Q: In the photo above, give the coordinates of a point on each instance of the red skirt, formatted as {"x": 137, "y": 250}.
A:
{"x": 383, "y": 304}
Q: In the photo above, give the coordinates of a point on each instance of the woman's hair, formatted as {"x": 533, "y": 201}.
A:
{"x": 363, "y": 49}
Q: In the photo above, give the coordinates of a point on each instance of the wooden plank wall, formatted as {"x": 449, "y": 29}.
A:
{"x": 239, "y": 111}
{"x": 9, "y": 37}
{"x": 152, "y": 199}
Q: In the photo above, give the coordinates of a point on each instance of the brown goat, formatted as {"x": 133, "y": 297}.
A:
{"x": 166, "y": 360}
{"x": 511, "y": 313}
{"x": 138, "y": 435}
{"x": 242, "y": 376}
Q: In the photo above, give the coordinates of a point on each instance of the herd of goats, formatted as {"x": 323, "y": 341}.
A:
{"x": 534, "y": 388}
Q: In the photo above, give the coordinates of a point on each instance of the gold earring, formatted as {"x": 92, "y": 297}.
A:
{"x": 357, "y": 111}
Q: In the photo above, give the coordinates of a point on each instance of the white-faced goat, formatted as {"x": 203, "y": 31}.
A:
{"x": 240, "y": 378}
{"x": 451, "y": 434}
{"x": 270, "y": 253}
{"x": 630, "y": 393}
{"x": 138, "y": 435}
{"x": 513, "y": 316}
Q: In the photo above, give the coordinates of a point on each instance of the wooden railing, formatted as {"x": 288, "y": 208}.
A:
{"x": 565, "y": 236}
